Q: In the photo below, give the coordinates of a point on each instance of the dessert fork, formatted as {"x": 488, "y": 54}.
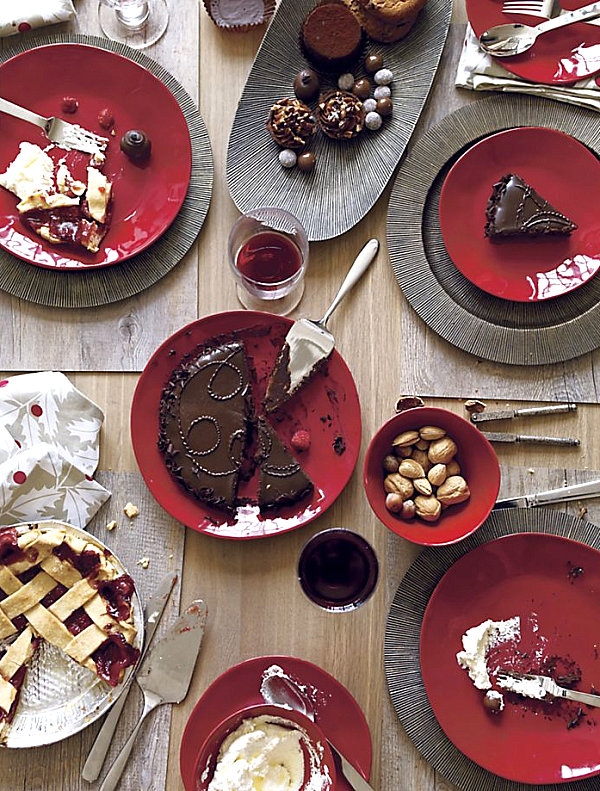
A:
{"x": 540, "y": 8}
{"x": 549, "y": 687}
{"x": 59, "y": 132}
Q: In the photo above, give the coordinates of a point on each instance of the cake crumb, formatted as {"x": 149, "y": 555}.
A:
{"x": 531, "y": 471}
{"x": 143, "y": 562}
{"x": 171, "y": 556}
{"x": 112, "y": 524}
{"x": 131, "y": 510}
{"x": 582, "y": 511}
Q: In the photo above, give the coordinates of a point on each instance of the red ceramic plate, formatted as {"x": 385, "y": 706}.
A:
{"x": 560, "y": 56}
{"x": 327, "y": 407}
{"x": 564, "y": 172}
{"x": 526, "y": 574}
{"x": 338, "y": 715}
{"x": 146, "y": 199}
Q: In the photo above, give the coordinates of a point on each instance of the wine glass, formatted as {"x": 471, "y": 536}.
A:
{"x": 137, "y": 23}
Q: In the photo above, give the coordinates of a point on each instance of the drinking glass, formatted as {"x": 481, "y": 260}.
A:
{"x": 268, "y": 255}
{"x": 137, "y": 23}
{"x": 338, "y": 570}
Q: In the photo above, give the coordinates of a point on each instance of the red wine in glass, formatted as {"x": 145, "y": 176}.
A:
{"x": 338, "y": 570}
{"x": 268, "y": 258}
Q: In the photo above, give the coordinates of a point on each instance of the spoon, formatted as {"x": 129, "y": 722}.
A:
{"x": 281, "y": 691}
{"x": 504, "y": 41}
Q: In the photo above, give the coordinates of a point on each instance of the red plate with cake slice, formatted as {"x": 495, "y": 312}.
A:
{"x": 326, "y": 407}
{"x": 561, "y": 56}
{"x": 338, "y": 714}
{"x": 553, "y": 585}
{"x": 524, "y": 268}
{"x": 146, "y": 197}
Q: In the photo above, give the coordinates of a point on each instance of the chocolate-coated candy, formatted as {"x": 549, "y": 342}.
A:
{"x": 383, "y": 77}
{"x": 307, "y": 161}
{"x": 370, "y": 105}
{"x": 373, "y": 63}
{"x": 307, "y": 85}
{"x": 382, "y": 92}
{"x": 385, "y": 107}
{"x": 373, "y": 121}
{"x": 136, "y": 145}
{"x": 346, "y": 81}
{"x": 287, "y": 158}
{"x": 362, "y": 88}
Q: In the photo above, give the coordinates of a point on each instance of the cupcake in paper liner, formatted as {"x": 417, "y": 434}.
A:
{"x": 239, "y": 15}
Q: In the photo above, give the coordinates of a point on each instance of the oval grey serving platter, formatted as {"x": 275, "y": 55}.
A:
{"x": 350, "y": 175}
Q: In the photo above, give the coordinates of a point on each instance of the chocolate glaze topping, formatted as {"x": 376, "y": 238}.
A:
{"x": 281, "y": 479}
{"x": 205, "y": 422}
{"x": 516, "y": 209}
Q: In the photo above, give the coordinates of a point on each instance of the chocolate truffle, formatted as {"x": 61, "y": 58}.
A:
{"x": 373, "y": 63}
{"x": 291, "y": 124}
{"x": 373, "y": 121}
{"x": 331, "y": 37}
{"x": 385, "y": 107}
{"x": 136, "y": 145}
{"x": 288, "y": 158}
{"x": 362, "y": 88}
{"x": 341, "y": 115}
{"x": 307, "y": 85}
{"x": 346, "y": 81}
{"x": 307, "y": 161}
{"x": 516, "y": 209}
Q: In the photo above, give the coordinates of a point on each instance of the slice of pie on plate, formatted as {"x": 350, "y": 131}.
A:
{"x": 56, "y": 586}
{"x": 281, "y": 479}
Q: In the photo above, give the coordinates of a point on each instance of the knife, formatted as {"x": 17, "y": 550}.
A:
{"x": 530, "y": 439}
{"x": 152, "y": 614}
{"x": 507, "y": 414}
{"x": 165, "y": 676}
{"x": 308, "y": 343}
{"x": 579, "y": 491}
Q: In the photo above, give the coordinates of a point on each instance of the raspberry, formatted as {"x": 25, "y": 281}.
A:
{"x": 69, "y": 104}
{"x": 301, "y": 440}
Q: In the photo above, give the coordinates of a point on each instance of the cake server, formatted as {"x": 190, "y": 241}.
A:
{"x": 153, "y": 612}
{"x": 566, "y": 494}
{"x": 165, "y": 675}
{"x": 281, "y": 691}
{"x": 533, "y": 686}
{"x": 309, "y": 342}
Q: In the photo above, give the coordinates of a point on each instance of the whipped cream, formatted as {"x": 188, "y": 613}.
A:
{"x": 31, "y": 172}
{"x": 478, "y": 640}
{"x": 527, "y": 687}
{"x": 260, "y": 755}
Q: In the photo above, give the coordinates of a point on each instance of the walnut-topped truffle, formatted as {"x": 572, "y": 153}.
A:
{"x": 291, "y": 123}
{"x": 341, "y": 115}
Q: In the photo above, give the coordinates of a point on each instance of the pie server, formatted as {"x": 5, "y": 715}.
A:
{"x": 165, "y": 675}
{"x": 309, "y": 342}
{"x": 580, "y": 491}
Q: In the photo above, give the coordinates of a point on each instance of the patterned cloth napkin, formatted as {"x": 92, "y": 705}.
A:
{"x": 480, "y": 72}
{"x": 49, "y": 448}
{"x": 17, "y": 16}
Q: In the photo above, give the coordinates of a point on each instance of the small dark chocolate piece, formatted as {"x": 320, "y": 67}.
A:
{"x": 373, "y": 63}
{"x": 516, "y": 209}
{"x": 136, "y": 145}
{"x": 385, "y": 107}
{"x": 362, "y": 88}
{"x": 307, "y": 161}
{"x": 307, "y": 85}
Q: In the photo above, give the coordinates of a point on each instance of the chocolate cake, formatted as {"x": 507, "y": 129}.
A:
{"x": 516, "y": 209}
{"x": 285, "y": 379}
{"x": 281, "y": 479}
{"x": 331, "y": 37}
{"x": 206, "y": 421}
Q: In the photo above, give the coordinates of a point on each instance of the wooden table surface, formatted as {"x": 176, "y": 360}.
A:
{"x": 255, "y": 602}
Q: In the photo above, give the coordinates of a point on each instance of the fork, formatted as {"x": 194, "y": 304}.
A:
{"x": 539, "y": 8}
{"x": 547, "y": 686}
{"x": 59, "y": 132}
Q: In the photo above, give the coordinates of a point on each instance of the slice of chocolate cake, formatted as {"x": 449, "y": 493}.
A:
{"x": 206, "y": 420}
{"x": 516, "y": 209}
{"x": 281, "y": 481}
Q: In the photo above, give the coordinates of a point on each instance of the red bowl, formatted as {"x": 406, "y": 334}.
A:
{"x": 478, "y": 463}
{"x": 207, "y": 757}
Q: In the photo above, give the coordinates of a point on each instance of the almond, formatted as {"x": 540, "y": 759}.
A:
{"x": 406, "y": 438}
{"x": 410, "y": 468}
{"x": 431, "y": 432}
{"x": 437, "y": 474}
{"x": 423, "y": 486}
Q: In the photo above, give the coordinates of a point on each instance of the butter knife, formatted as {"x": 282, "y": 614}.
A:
{"x": 579, "y": 491}
{"x": 152, "y": 614}
{"x": 308, "y": 343}
{"x": 165, "y": 676}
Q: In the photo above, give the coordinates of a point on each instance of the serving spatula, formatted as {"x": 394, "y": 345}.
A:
{"x": 308, "y": 343}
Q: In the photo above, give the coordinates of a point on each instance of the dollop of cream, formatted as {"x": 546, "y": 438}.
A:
{"x": 260, "y": 755}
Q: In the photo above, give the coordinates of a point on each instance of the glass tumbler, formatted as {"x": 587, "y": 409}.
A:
{"x": 268, "y": 255}
{"x": 137, "y": 23}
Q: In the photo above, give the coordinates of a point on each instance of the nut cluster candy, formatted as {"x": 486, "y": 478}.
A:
{"x": 422, "y": 476}
{"x": 341, "y": 115}
{"x": 291, "y": 123}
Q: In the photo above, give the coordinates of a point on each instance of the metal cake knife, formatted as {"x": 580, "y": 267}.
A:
{"x": 309, "y": 343}
{"x": 579, "y": 491}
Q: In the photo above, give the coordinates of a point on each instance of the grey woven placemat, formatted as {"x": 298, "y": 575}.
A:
{"x": 75, "y": 289}
{"x": 490, "y": 328}
{"x": 403, "y": 631}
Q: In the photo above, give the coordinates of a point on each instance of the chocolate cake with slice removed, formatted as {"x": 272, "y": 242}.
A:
{"x": 516, "y": 209}
{"x": 281, "y": 481}
{"x": 206, "y": 418}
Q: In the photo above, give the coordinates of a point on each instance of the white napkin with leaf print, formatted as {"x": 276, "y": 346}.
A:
{"x": 49, "y": 449}
{"x": 18, "y": 16}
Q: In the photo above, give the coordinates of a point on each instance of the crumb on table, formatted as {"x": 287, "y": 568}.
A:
{"x": 131, "y": 510}
{"x": 112, "y": 524}
{"x": 143, "y": 562}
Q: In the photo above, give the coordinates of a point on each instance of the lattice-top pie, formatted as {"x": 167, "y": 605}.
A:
{"x": 58, "y": 587}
